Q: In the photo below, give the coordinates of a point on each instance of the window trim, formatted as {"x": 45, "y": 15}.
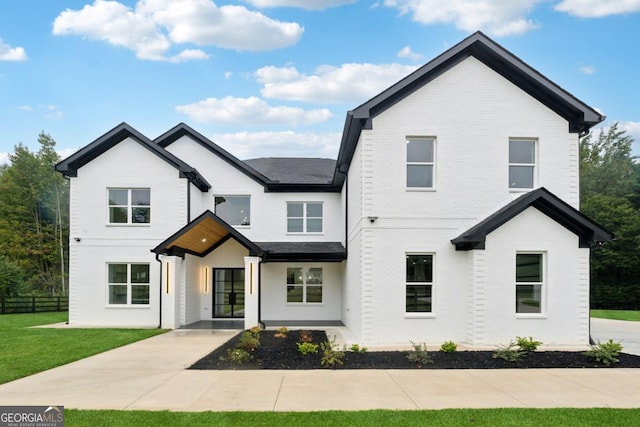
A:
{"x": 432, "y": 163}
{"x": 304, "y": 285}
{"x": 543, "y": 286}
{"x": 215, "y": 210}
{"x": 420, "y": 314}
{"x": 533, "y": 165}
{"x": 129, "y": 284}
{"x": 305, "y": 217}
{"x": 129, "y": 208}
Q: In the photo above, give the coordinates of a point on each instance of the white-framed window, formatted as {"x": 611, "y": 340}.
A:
{"x": 421, "y": 162}
{"x": 529, "y": 283}
{"x": 234, "y": 210}
{"x": 304, "y": 217}
{"x": 522, "y": 163}
{"x": 419, "y": 283}
{"x": 304, "y": 285}
{"x": 129, "y": 205}
{"x": 128, "y": 283}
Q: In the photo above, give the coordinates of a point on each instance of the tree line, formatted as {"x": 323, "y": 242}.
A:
{"x": 34, "y": 219}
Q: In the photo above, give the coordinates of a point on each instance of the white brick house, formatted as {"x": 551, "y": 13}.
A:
{"x": 450, "y": 214}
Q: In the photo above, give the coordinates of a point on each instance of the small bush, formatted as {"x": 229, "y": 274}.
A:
{"x": 255, "y": 332}
{"x": 331, "y": 356}
{"x": 527, "y": 344}
{"x": 239, "y": 356}
{"x": 419, "y": 355}
{"x": 281, "y": 332}
{"x": 357, "y": 349}
{"x": 449, "y": 347}
{"x": 508, "y": 352}
{"x": 305, "y": 336}
{"x": 248, "y": 341}
{"x": 307, "y": 348}
{"x": 606, "y": 353}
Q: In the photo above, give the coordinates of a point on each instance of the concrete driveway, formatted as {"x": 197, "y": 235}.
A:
{"x": 628, "y": 333}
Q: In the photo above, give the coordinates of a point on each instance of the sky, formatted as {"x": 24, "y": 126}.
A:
{"x": 270, "y": 78}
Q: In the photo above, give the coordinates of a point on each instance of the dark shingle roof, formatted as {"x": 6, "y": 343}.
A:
{"x": 294, "y": 169}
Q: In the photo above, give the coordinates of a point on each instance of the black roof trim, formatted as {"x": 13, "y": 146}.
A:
{"x": 580, "y": 116}
{"x": 546, "y": 202}
{"x": 70, "y": 165}
{"x": 303, "y": 251}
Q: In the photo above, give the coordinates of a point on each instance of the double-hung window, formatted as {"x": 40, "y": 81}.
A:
{"x": 522, "y": 163}
{"x": 421, "y": 162}
{"x": 129, "y": 205}
{"x": 304, "y": 217}
{"x": 128, "y": 284}
{"x": 419, "y": 283}
{"x": 304, "y": 285}
{"x": 234, "y": 210}
{"x": 529, "y": 282}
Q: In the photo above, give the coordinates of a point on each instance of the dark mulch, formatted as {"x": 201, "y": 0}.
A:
{"x": 282, "y": 353}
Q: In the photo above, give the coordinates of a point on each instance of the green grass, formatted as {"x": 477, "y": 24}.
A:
{"x": 596, "y": 417}
{"x": 25, "y": 351}
{"x": 633, "y": 315}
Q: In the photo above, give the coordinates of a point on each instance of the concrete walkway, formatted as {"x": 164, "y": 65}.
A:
{"x": 151, "y": 375}
{"x": 627, "y": 333}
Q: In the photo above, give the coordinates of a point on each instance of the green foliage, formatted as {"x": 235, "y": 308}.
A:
{"x": 508, "y": 352}
{"x": 331, "y": 355}
{"x": 357, "y": 349}
{"x": 527, "y": 344}
{"x": 419, "y": 355}
{"x": 281, "y": 332}
{"x": 11, "y": 277}
{"x": 255, "y": 332}
{"x": 249, "y": 341}
{"x": 606, "y": 353}
{"x": 239, "y": 356}
{"x": 307, "y": 348}
{"x": 448, "y": 347}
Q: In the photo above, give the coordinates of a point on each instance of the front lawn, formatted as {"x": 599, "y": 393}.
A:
{"x": 596, "y": 417}
{"x": 25, "y": 351}
{"x": 632, "y": 315}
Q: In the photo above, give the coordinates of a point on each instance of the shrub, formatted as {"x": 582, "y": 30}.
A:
{"x": 419, "y": 355}
{"x": 507, "y": 352}
{"x": 307, "y": 348}
{"x": 527, "y": 344}
{"x": 281, "y": 332}
{"x": 331, "y": 356}
{"x": 248, "y": 341}
{"x": 448, "y": 347}
{"x": 305, "y": 336}
{"x": 239, "y": 356}
{"x": 357, "y": 349}
{"x": 606, "y": 353}
{"x": 255, "y": 332}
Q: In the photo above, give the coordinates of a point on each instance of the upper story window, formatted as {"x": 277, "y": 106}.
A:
{"x": 128, "y": 284}
{"x": 522, "y": 163}
{"x": 234, "y": 210}
{"x": 129, "y": 205}
{"x": 304, "y": 217}
{"x": 421, "y": 162}
{"x": 529, "y": 282}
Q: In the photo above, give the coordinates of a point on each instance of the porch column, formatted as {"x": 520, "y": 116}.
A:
{"x": 251, "y": 285}
{"x": 170, "y": 287}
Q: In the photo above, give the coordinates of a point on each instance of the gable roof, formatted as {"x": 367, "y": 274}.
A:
{"x": 70, "y": 165}
{"x": 546, "y": 202}
{"x": 580, "y": 116}
{"x": 290, "y": 170}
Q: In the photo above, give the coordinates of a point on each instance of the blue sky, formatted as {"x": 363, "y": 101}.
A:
{"x": 276, "y": 77}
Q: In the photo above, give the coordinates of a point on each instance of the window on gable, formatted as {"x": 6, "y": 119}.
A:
{"x": 304, "y": 217}
{"x": 522, "y": 163}
{"x": 529, "y": 282}
{"x": 128, "y": 284}
{"x": 304, "y": 285}
{"x": 419, "y": 283}
{"x": 421, "y": 163}
{"x": 234, "y": 210}
{"x": 129, "y": 205}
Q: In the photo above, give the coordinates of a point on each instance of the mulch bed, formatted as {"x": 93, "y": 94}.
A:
{"x": 282, "y": 353}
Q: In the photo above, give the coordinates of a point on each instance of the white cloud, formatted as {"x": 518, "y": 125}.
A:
{"x": 633, "y": 130}
{"x": 51, "y": 112}
{"x": 153, "y": 27}
{"x": 63, "y": 153}
{"x": 496, "y": 17}
{"x": 4, "y": 158}
{"x": 250, "y": 111}
{"x": 406, "y": 52}
{"x": 598, "y": 8}
{"x": 304, "y": 4}
{"x": 228, "y": 75}
{"x": 8, "y": 53}
{"x": 279, "y": 144}
{"x": 351, "y": 83}
{"x": 588, "y": 69}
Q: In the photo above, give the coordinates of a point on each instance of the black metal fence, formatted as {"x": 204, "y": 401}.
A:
{"x": 33, "y": 304}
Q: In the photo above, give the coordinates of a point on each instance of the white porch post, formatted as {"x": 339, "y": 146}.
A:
{"x": 251, "y": 277}
{"x": 170, "y": 290}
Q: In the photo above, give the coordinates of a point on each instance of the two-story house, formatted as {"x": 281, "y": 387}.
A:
{"x": 450, "y": 214}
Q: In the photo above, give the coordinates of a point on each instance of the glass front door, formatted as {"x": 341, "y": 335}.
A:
{"x": 228, "y": 295}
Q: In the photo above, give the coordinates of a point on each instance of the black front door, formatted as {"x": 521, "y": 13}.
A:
{"x": 228, "y": 292}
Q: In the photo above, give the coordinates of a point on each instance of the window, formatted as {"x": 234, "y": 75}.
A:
{"x": 419, "y": 283}
{"x": 420, "y": 163}
{"x": 129, "y": 205}
{"x": 304, "y": 217}
{"x": 128, "y": 284}
{"x": 304, "y": 285}
{"x": 234, "y": 210}
{"x": 522, "y": 162}
{"x": 529, "y": 281}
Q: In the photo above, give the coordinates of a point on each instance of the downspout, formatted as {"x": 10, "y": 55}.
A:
{"x": 160, "y": 294}
{"x": 188, "y": 202}
{"x": 260, "y": 322}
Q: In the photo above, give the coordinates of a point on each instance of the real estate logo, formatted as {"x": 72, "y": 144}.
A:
{"x": 31, "y": 416}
